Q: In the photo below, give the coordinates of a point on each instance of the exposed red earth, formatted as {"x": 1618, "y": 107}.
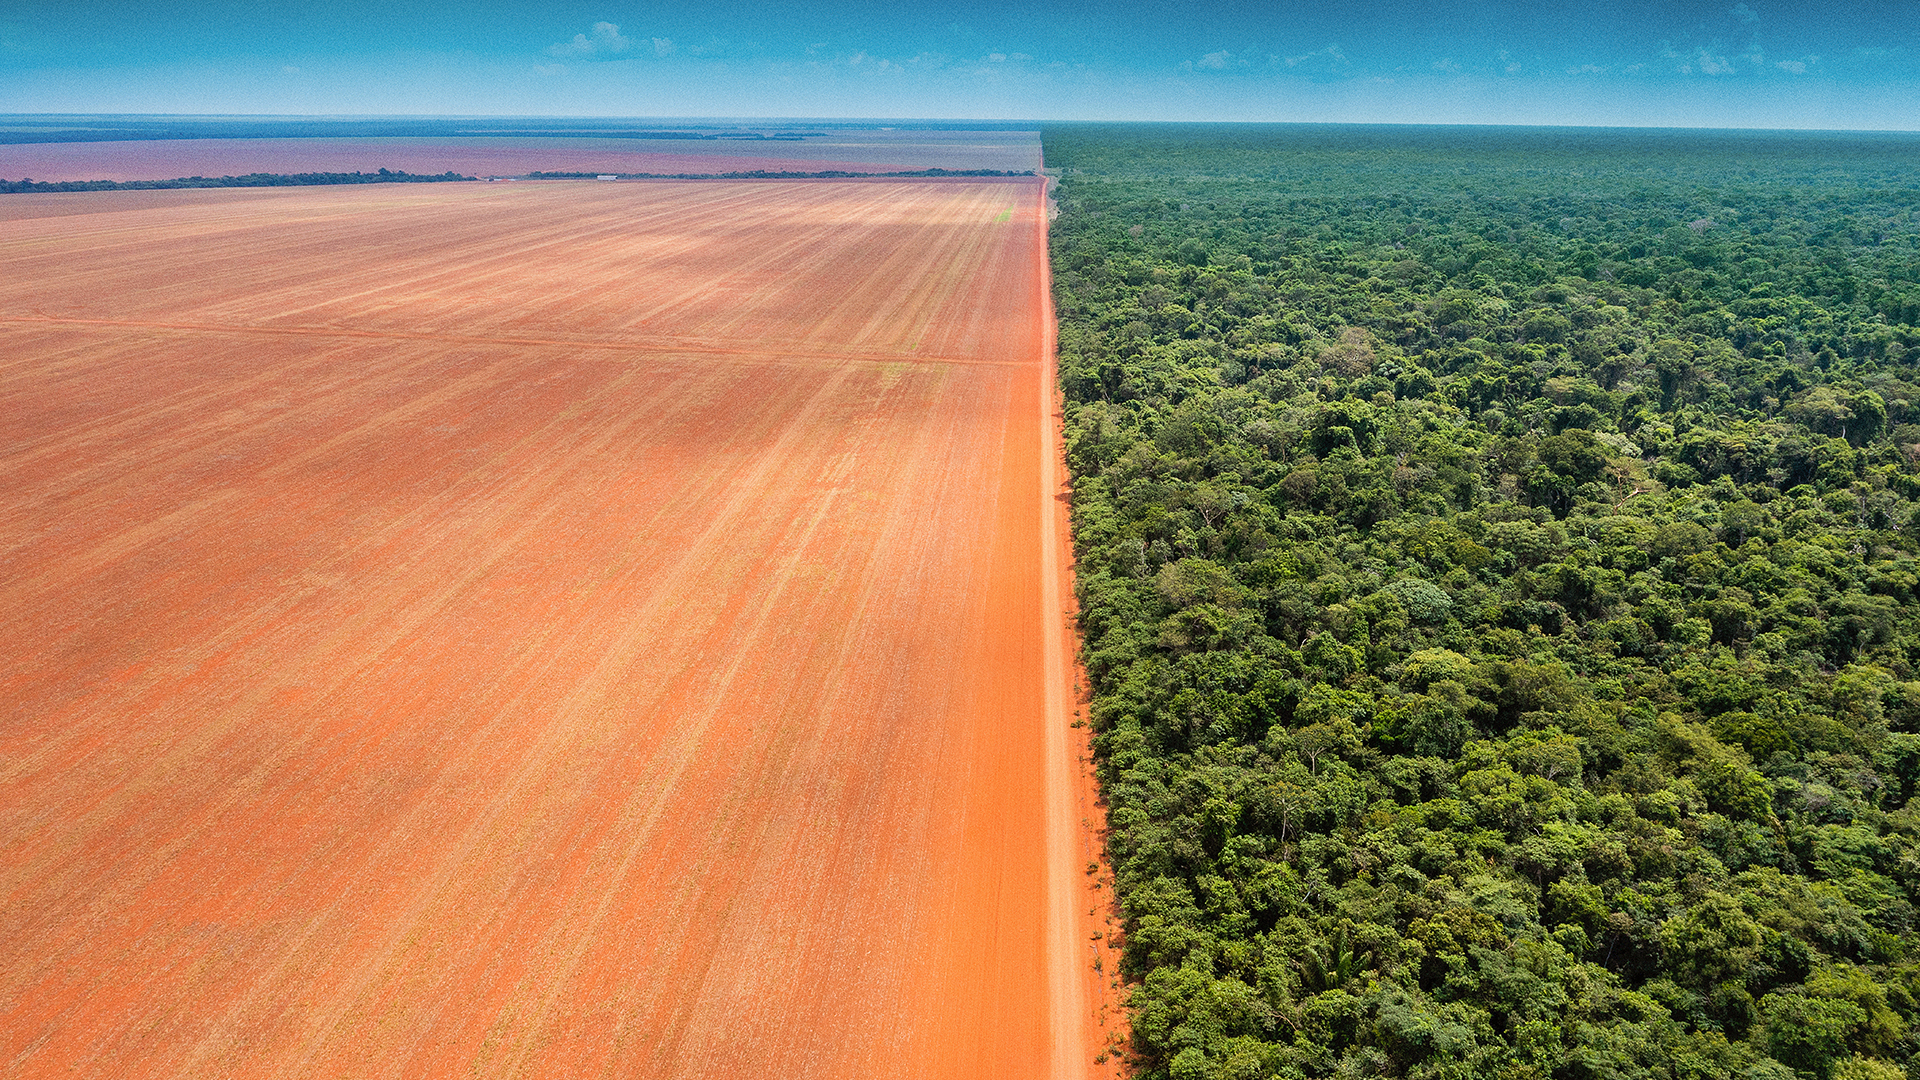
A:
{"x": 509, "y": 156}
{"x": 537, "y": 630}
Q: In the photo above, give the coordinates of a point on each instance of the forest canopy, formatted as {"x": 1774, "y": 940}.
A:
{"x": 1497, "y": 565}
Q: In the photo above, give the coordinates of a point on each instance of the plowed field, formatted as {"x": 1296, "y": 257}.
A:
{"x": 554, "y": 630}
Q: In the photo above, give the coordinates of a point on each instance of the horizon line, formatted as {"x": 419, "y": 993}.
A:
{"x": 1007, "y": 122}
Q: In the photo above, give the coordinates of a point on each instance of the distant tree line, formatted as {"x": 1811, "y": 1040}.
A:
{"x": 764, "y": 174}
{"x": 1499, "y": 563}
{"x": 82, "y": 128}
{"x": 308, "y": 179}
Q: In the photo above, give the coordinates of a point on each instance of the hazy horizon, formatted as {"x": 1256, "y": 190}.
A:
{"x": 1849, "y": 65}
{"x": 848, "y": 123}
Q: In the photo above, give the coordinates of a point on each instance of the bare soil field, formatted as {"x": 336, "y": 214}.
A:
{"x": 537, "y": 630}
{"x": 859, "y": 151}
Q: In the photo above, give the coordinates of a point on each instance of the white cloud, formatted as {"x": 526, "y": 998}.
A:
{"x": 1587, "y": 69}
{"x": 997, "y": 58}
{"x": 1331, "y": 56}
{"x": 1744, "y": 13}
{"x": 662, "y": 46}
{"x": 1448, "y": 66}
{"x": 603, "y": 42}
{"x": 1797, "y": 67}
{"x": 1704, "y": 61}
{"x": 863, "y": 60}
{"x": 1714, "y": 65}
{"x": 1216, "y": 61}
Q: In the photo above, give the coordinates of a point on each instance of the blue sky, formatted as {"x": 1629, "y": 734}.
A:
{"x": 1736, "y": 63}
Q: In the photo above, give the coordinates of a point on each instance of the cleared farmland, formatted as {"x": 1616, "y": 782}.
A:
{"x": 548, "y": 630}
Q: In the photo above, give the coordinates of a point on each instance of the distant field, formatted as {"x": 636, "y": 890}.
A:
{"x": 535, "y": 630}
{"x": 855, "y": 151}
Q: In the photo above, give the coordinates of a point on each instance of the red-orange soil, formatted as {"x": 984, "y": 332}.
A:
{"x": 550, "y": 630}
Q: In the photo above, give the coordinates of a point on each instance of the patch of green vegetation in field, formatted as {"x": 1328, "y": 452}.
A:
{"x": 1497, "y": 553}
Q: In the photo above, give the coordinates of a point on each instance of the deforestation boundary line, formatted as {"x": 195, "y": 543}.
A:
{"x": 1074, "y": 1035}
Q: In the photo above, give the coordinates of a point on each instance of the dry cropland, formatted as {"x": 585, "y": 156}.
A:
{"x": 548, "y": 630}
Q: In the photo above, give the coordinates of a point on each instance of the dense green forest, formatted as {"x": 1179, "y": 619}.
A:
{"x": 1497, "y": 557}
